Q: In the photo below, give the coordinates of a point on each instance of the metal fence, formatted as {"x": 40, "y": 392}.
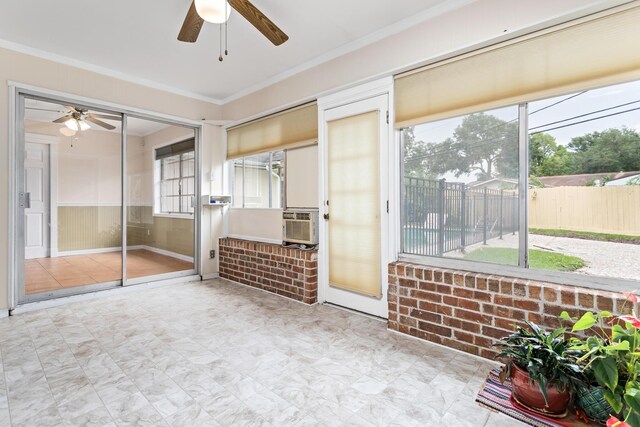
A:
{"x": 441, "y": 217}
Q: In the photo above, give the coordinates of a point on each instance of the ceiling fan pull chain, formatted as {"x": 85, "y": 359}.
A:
{"x": 220, "y": 57}
{"x": 226, "y": 32}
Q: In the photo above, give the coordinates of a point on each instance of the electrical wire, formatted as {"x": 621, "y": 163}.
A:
{"x": 586, "y": 114}
{"x": 481, "y": 144}
{"x": 559, "y": 102}
{"x": 585, "y": 121}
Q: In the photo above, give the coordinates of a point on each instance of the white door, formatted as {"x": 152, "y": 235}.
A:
{"x": 36, "y": 214}
{"x": 356, "y": 205}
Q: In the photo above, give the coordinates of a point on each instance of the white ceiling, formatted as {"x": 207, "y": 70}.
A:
{"x": 137, "y": 38}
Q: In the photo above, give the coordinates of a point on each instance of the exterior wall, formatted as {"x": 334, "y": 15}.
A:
{"x": 470, "y": 311}
{"x": 292, "y": 273}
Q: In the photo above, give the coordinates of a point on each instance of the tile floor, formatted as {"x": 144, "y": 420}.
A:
{"x": 49, "y": 274}
{"x": 219, "y": 354}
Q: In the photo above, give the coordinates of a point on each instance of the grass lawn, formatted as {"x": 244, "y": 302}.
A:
{"x": 543, "y": 260}
{"x": 620, "y": 238}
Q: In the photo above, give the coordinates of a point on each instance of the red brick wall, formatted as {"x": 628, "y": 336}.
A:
{"x": 289, "y": 272}
{"x": 470, "y": 311}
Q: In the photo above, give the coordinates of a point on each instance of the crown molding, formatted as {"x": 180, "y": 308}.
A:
{"x": 61, "y": 59}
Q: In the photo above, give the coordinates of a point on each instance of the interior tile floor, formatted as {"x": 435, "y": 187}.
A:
{"x": 49, "y": 274}
{"x": 218, "y": 354}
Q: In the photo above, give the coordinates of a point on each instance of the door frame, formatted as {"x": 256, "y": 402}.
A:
{"x": 388, "y": 188}
{"x": 15, "y": 270}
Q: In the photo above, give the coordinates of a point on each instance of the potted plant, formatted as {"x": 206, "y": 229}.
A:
{"x": 542, "y": 374}
{"x": 609, "y": 354}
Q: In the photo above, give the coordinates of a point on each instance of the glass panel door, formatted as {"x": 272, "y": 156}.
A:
{"x": 70, "y": 206}
{"x": 356, "y": 190}
{"x": 160, "y": 200}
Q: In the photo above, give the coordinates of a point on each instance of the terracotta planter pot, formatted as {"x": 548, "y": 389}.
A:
{"x": 527, "y": 393}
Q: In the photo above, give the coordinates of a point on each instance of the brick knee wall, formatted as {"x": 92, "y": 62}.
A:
{"x": 470, "y": 311}
{"x": 289, "y": 272}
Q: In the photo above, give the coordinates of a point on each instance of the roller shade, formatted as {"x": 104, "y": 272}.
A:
{"x": 567, "y": 58}
{"x": 174, "y": 149}
{"x": 293, "y": 128}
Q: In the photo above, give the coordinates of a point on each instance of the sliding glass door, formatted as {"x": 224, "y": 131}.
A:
{"x": 160, "y": 200}
{"x": 83, "y": 173}
{"x": 71, "y": 199}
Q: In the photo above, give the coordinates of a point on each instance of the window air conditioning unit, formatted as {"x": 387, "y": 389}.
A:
{"x": 300, "y": 226}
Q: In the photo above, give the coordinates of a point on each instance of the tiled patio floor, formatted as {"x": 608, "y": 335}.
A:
{"x": 215, "y": 353}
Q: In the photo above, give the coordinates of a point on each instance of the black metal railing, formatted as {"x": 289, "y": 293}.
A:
{"x": 441, "y": 217}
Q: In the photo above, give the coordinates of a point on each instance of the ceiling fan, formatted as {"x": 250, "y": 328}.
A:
{"x": 76, "y": 119}
{"x": 217, "y": 11}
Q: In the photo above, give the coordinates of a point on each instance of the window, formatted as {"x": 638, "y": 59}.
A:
{"x": 461, "y": 187}
{"x": 175, "y": 178}
{"x": 463, "y": 194}
{"x": 258, "y": 181}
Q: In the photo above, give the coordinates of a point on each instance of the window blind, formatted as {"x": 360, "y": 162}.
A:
{"x": 588, "y": 53}
{"x": 354, "y": 225}
{"x": 292, "y": 128}
{"x": 174, "y": 149}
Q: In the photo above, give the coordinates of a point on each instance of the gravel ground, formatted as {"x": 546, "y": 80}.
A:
{"x": 609, "y": 259}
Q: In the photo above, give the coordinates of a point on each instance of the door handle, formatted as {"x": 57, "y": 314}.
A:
{"x": 326, "y": 216}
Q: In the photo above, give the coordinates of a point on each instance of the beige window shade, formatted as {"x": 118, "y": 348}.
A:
{"x": 293, "y": 128}
{"x": 593, "y": 53}
{"x": 354, "y": 203}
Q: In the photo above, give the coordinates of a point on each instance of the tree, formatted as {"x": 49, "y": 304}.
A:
{"x": 547, "y": 158}
{"x": 612, "y": 150}
{"x": 415, "y": 155}
{"x": 482, "y": 144}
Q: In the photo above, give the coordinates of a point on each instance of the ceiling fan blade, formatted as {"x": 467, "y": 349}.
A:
{"x": 63, "y": 119}
{"x": 100, "y": 123}
{"x": 260, "y": 21}
{"x": 191, "y": 25}
{"x": 106, "y": 116}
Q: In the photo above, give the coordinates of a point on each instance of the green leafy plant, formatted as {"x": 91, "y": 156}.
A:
{"x": 543, "y": 355}
{"x": 609, "y": 355}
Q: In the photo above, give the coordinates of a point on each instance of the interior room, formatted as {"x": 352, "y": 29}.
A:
{"x": 299, "y": 213}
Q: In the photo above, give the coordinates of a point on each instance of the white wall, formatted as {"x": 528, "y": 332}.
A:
{"x": 301, "y": 177}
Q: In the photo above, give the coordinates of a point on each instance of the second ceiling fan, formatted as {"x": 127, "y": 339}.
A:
{"x": 193, "y": 21}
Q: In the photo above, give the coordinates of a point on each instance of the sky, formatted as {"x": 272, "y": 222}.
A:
{"x": 566, "y": 107}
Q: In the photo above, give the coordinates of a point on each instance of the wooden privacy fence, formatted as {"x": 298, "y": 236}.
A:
{"x": 613, "y": 210}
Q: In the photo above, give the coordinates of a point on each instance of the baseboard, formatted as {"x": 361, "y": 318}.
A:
{"x": 88, "y": 251}
{"x": 210, "y": 276}
{"x": 167, "y": 253}
{"x": 4, "y": 313}
{"x": 131, "y": 248}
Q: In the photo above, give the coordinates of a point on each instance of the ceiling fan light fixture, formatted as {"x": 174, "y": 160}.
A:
{"x": 215, "y": 11}
{"x": 83, "y": 125}
{"x": 77, "y": 125}
{"x": 72, "y": 124}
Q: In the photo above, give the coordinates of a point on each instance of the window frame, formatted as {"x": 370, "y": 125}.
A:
{"x": 158, "y": 168}
{"x": 522, "y": 270}
{"x": 232, "y": 174}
